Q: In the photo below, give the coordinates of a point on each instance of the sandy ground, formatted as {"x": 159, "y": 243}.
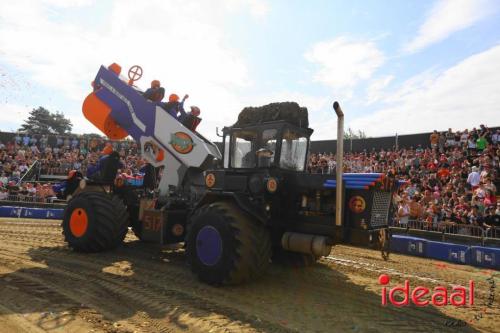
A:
{"x": 45, "y": 287}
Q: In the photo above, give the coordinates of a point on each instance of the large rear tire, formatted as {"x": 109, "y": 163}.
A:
{"x": 224, "y": 245}
{"x": 94, "y": 222}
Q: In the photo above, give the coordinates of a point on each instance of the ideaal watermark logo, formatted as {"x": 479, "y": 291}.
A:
{"x": 439, "y": 296}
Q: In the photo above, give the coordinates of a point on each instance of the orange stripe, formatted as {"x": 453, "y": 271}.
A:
{"x": 98, "y": 113}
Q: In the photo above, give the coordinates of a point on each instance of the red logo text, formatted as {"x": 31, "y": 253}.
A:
{"x": 422, "y": 296}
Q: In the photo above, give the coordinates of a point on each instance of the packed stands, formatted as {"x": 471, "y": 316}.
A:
{"x": 451, "y": 181}
{"x": 48, "y": 160}
{"x": 450, "y": 186}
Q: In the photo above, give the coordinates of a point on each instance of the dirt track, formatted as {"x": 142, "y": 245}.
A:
{"x": 44, "y": 287}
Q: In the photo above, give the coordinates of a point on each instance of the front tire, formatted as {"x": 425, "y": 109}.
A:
{"x": 94, "y": 222}
{"x": 226, "y": 246}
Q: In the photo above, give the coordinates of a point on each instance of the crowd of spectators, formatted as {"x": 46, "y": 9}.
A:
{"x": 56, "y": 156}
{"x": 453, "y": 178}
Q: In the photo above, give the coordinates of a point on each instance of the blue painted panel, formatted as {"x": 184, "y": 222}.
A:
{"x": 32, "y": 213}
{"x": 409, "y": 245}
{"x": 54, "y": 213}
{"x": 455, "y": 253}
{"x": 485, "y": 256}
{"x": 7, "y": 211}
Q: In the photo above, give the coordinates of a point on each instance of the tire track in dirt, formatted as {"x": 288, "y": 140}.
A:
{"x": 152, "y": 293}
{"x": 316, "y": 299}
{"x": 429, "y": 273}
{"x": 36, "y": 289}
{"x": 154, "y": 300}
{"x": 179, "y": 278}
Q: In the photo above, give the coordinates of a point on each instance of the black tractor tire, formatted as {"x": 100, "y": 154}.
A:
{"x": 293, "y": 259}
{"x": 245, "y": 245}
{"x": 106, "y": 222}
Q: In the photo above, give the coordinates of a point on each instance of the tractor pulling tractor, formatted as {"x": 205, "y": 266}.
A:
{"x": 236, "y": 212}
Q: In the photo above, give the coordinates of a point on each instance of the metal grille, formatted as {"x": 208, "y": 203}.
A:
{"x": 380, "y": 209}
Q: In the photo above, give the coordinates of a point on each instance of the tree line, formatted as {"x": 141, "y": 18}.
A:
{"x": 42, "y": 121}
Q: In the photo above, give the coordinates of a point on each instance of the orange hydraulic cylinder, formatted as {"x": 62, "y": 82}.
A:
{"x": 99, "y": 114}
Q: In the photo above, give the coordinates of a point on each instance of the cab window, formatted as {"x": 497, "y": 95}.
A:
{"x": 244, "y": 148}
{"x": 293, "y": 150}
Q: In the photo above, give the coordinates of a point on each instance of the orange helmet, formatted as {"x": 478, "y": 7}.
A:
{"x": 173, "y": 98}
{"x": 155, "y": 84}
{"x": 108, "y": 149}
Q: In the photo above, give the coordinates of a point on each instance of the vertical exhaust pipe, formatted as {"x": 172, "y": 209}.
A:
{"x": 340, "y": 164}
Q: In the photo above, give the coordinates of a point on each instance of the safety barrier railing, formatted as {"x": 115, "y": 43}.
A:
{"x": 493, "y": 232}
{"x": 462, "y": 229}
{"x": 56, "y": 171}
{"x": 450, "y": 228}
{"x": 61, "y": 171}
{"x": 27, "y": 199}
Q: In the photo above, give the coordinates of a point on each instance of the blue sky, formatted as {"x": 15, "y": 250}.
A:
{"x": 395, "y": 66}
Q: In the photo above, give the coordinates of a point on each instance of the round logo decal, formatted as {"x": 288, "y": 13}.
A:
{"x": 272, "y": 185}
{"x": 210, "y": 180}
{"x": 181, "y": 142}
{"x": 357, "y": 204}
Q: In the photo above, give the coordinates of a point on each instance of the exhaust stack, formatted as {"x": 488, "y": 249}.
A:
{"x": 340, "y": 163}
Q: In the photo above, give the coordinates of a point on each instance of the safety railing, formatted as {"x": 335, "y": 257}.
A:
{"x": 56, "y": 171}
{"x": 463, "y": 229}
{"x": 450, "y": 228}
{"x": 59, "y": 173}
{"x": 28, "y": 199}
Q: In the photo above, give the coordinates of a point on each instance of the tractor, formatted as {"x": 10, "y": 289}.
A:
{"x": 236, "y": 209}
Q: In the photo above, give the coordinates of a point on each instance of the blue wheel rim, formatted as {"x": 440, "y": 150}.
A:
{"x": 209, "y": 245}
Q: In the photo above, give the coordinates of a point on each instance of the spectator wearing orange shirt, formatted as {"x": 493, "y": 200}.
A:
{"x": 443, "y": 172}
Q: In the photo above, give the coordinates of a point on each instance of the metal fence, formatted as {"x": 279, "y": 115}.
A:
{"x": 28, "y": 199}
{"x": 62, "y": 171}
{"x": 451, "y": 228}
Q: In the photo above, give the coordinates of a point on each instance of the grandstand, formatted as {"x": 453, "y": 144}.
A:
{"x": 450, "y": 191}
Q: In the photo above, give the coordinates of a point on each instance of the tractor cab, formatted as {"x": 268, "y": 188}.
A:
{"x": 277, "y": 144}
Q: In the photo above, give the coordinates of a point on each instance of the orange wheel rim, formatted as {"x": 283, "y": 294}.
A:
{"x": 78, "y": 222}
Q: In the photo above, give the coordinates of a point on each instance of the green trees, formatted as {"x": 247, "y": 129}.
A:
{"x": 42, "y": 121}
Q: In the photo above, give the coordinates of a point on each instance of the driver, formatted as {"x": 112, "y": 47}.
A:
{"x": 264, "y": 157}
{"x": 107, "y": 166}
